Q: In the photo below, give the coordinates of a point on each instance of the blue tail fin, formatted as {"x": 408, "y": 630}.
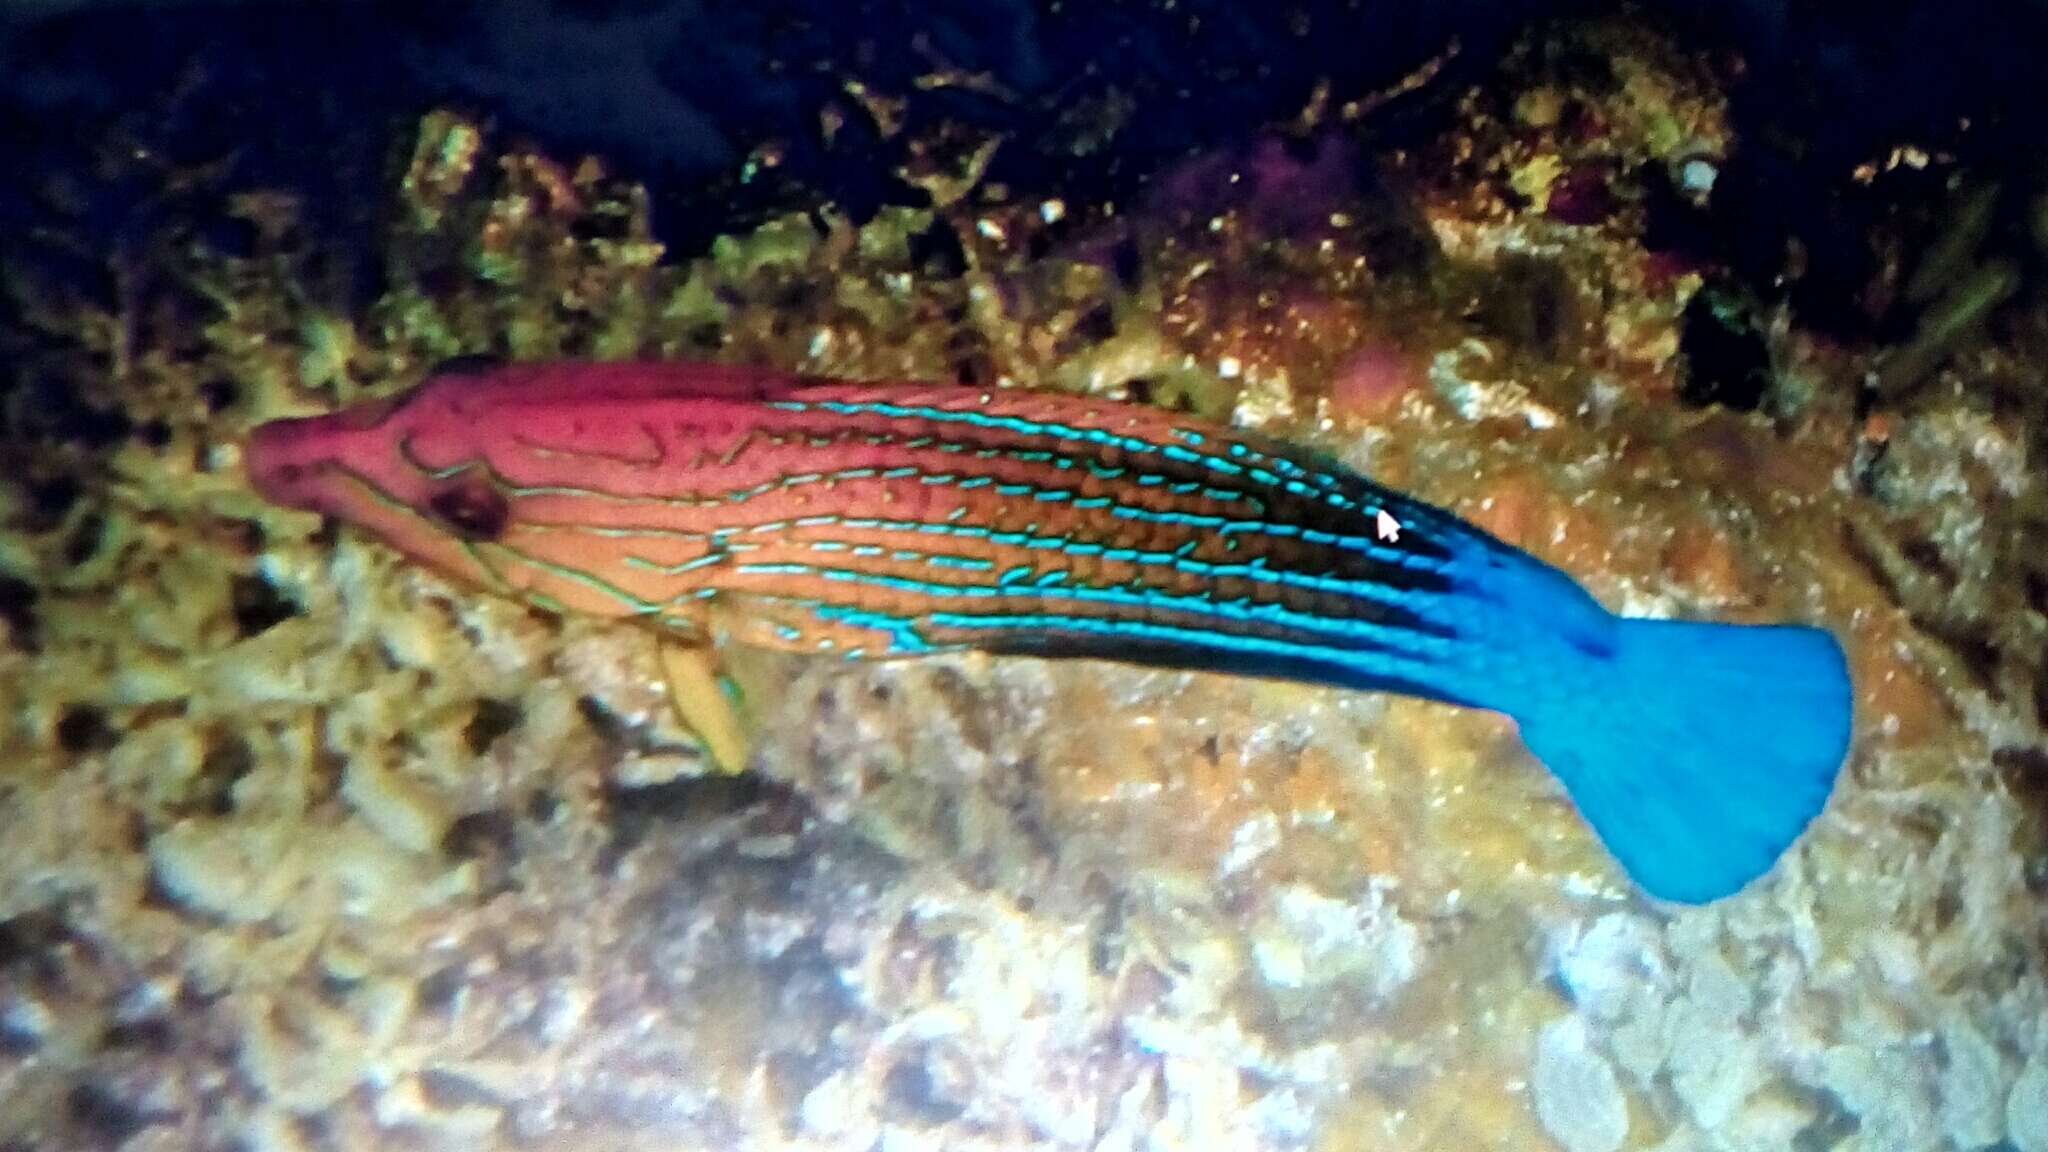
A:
{"x": 1698, "y": 752}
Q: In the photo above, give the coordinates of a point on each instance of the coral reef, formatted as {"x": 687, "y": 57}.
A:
{"x": 303, "y": 849}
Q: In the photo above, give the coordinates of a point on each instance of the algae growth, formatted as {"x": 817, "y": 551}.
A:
{"x": 304, "y": 848}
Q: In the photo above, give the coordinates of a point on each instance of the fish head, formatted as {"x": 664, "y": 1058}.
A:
{"x": 487, "y": 473}
{"x": 413, "y": 471}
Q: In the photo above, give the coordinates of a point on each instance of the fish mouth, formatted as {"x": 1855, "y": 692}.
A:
{"x": 283, "y": 457}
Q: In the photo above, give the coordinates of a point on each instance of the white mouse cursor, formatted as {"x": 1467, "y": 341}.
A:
{"x": 1389, "y": 528}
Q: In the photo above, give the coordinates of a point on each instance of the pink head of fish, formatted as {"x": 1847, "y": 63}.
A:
{"x": 422, "y": 471}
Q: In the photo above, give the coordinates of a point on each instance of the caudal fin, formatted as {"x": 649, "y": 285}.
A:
{"x": 1698, "y": 752}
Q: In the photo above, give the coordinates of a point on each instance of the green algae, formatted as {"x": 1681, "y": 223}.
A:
{"x": 1951, "y": 323}
{"x": 1951, "y": 258}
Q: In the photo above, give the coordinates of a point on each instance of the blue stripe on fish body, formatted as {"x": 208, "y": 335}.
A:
{"x": 1422, "y": 554}
{"x": 1096, "y": 436}
{"x": 1228, "y": 617}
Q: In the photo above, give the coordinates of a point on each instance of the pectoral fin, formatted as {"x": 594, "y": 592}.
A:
{"x": 702, "y": 704}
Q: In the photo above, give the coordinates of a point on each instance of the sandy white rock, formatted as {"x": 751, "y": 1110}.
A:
{"x": 2026, "y": 1109}
{"x": 1578, "y": 1099}
{"x": 1884, "y": 1088}
{"x": 1607, "y": 963}
{"x": 1313, "y": 938}
{"x": 1713, "y": 1067}
{"x": 1971, "y": 1087}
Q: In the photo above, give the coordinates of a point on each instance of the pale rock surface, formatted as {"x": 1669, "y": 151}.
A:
{"x": 2026, "y": 1110}
{"x": 1577, "y": 1097}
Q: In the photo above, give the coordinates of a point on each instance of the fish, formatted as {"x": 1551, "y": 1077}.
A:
{"x": 894, "y": 520}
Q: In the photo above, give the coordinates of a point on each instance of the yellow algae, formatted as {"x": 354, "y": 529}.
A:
{"x": 1533, "y": 180}
{"x": 225, "y": 869}
{"x": 778, "y": 243}
{"x": 302, "y": 1056}
{"x": 403, "y": 810}
{"x": 156, "y": 764}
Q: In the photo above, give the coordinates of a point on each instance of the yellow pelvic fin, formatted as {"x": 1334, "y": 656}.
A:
{"x": 701, "y": 703}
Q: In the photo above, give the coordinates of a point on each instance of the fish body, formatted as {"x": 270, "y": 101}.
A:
{"x": 876, "y": 521}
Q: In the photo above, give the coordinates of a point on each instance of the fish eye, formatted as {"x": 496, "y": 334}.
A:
{"x": 472, "y": 509}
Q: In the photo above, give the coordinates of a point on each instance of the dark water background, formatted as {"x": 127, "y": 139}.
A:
{"x": 305, "y": 95}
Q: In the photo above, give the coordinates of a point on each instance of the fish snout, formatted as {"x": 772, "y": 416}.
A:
{"x": 291, "y": 461}
{"x": 283, "y": 460}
